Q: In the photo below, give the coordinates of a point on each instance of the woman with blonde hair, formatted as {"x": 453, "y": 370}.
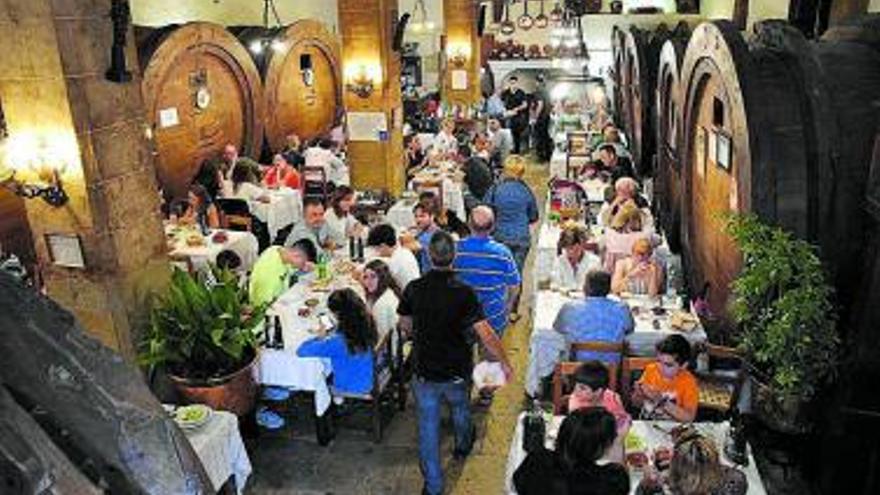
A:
{"x": 624, "y": 229}
{"x": 516, "y": 212}
{"x": 695, "y": 469}
{"x": 639, "y": 273}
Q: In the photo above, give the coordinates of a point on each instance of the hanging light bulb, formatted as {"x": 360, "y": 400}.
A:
{"x": 256, "y": 46}
{"x": 278, "y": 45}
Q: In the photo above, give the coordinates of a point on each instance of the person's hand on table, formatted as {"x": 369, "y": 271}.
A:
{"x": 330, "y": 245}
{"x": 648, "y": 392}
{"x": 264, "y": 199}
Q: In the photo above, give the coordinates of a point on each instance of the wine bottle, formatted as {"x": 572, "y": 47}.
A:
{"x": 278, "y": 340}
{"x": 534, "y": 429}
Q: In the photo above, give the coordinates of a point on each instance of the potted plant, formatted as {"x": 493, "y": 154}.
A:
{"x": 786, "y": 321}
{"x": 205, "y": 336}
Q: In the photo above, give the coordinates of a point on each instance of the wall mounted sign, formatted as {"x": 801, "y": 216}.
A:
{"x": 168, "y": 118}
{"x": 723, "y": 151}
{"x": 459, "y": 80}
{"x": 65, "y": 250}
{"x": 366, "y": 126}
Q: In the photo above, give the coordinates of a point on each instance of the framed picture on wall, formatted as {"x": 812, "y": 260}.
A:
{"x": 700, "y": 145}
{"x": 65, "y": 250}
{"x": 723, "y": 150}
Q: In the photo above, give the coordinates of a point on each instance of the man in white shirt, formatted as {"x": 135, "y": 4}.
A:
{"x": 401, "y": 261}
{"x": 575, "y": 262}
{"x": 502, "y": 139}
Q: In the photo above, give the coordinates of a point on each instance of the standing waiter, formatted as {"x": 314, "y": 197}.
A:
{"x": 539, "y": 118}
{"x": 517, "y": 104}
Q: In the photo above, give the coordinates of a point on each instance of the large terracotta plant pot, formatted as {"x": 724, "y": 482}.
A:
{"x": 785, "y": 416}
{"x": 236, "y": 392}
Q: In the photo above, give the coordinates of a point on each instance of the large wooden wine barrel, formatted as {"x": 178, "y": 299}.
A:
{"x": 618, "y": 54}
{"x": 642, "y": 54}
{"x": 669, "y": 126}
{"x": 299, "y": 103}
{"x": 770, "y": 128}
{"x": 752, "y": 103}
{"x": 201, "y": 91}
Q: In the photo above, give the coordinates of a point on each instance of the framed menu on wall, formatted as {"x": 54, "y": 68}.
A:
{"x": 65, "y": 250}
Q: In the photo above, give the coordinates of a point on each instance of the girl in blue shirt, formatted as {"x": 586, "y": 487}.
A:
{"x": 350, "y": 347}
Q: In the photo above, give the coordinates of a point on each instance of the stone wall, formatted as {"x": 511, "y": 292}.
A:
{"x": 54, "y": 94}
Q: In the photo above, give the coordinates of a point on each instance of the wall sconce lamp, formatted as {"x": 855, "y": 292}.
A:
{"x": 120, "y": 15}
{"x": 52, "y": 192}
{"x": 361, "y": 82}
{"x": 45, "y": 162}
{"x": 458, "y": 55}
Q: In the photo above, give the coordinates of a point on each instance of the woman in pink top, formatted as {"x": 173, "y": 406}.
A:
{"x": 591, "y": 390}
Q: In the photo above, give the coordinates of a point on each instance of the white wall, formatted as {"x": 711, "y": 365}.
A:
{"x": 429, "y": 42}
{"x": 758, "y": 9}
{"x": 230, "y": 12}
{"x": 874, "y": 6}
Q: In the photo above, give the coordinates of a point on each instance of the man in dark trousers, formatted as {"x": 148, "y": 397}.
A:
{"x": 441, "y": 315}
{"x": 517, "y": 104}
{"x": 540, "y": 121}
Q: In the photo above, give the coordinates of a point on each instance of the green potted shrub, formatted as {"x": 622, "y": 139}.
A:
{"x": 786, "y": 321}
{"x": 205, "y": 336}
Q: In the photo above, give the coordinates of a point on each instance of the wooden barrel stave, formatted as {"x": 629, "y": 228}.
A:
{"x": 297, "y": 108}
{"x": 669, "y": 141}
{"x": 181, "y": 64}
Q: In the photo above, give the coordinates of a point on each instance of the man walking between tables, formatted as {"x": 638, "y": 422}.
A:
{"x": 442, "y": 315}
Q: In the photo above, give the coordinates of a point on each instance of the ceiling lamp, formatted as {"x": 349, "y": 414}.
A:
{"x": 268, "y": 41}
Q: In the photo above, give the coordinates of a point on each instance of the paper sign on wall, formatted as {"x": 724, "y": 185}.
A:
{"x": 366, "y": 126}
{"x": 168, "y": 118}
{"x": 459, "y": 80}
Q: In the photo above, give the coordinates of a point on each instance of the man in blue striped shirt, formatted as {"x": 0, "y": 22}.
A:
{"x": 489, "y": 268}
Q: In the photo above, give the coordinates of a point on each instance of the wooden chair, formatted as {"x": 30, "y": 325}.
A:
{"x": 432, "y": 186}
{"x": 403, "y": 368}
{"x": 235, "y": 214}
{"x": 314, "y": 183}
{"x": 720, "y": 389}
{"x": 566, "y": 369}
{"x": 383, "y": 373}
{"x": 631, "y": 364}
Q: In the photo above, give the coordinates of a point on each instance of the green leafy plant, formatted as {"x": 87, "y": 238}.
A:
{"x": 201, "y": 331}
{"x": 783, "y": 308}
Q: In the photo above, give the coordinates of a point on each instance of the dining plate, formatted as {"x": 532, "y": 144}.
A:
{"x": 193, "y": 416}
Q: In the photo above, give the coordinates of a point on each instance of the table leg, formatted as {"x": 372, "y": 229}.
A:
{"x": 325, "y": 427}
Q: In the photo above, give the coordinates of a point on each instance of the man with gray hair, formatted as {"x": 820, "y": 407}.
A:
{"x": 441, "y": 314}
{"x": 489, "y": 268}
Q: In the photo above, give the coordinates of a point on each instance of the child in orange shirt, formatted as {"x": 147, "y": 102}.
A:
{"x": 667, "y": 390}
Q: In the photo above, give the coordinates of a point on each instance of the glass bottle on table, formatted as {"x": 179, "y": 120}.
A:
{"x": 534, "y": 428}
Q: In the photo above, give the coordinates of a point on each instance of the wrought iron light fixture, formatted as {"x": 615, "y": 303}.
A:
{"x": 263, "y": 44}
{"x": 361, "y": 83}
{"x": 52, "y": 192}
{"x": 120, "y": 14}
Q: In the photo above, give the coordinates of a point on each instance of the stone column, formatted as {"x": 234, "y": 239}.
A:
{"x": 61, "y": 110}
{"x": 461, "y": 71}
{"x": 367, "y": 28}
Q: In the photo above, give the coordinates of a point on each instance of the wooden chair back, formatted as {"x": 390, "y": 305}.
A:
{"x": 432, "y": 186}
{"x": 314, "y": 182}
{"x": 564, "y": 371}
{"x": 720, "y": 390}
{"x": 632, "y": 364}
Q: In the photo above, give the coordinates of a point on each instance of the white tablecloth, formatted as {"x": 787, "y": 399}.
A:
{"x": 548, "y": 347}
{"x": 219, "y": 446}
{"x": 282, "y": 367}
{"x": 244, "y": 244}
{"x": 400, "y": 215}
{"x": 558, "y": 163}
{"x": 283, "y": 209}
{"x": 653, "y": 438}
